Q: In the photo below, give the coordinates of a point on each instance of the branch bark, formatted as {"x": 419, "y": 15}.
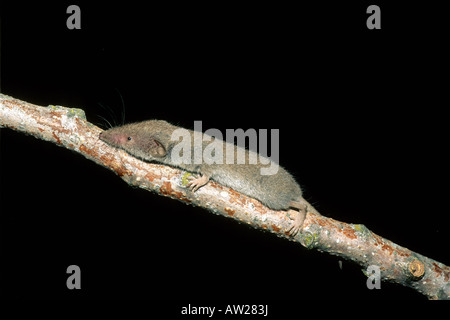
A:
{"x": 68, "y": 127}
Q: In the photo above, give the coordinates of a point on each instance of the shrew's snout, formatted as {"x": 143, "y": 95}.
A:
{"x": 114, "y": 139}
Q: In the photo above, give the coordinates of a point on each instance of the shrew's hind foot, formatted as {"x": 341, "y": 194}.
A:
{"x": 299, "y": 214}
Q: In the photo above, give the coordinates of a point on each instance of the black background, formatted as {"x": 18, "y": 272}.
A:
{"x": 363, "y": 128}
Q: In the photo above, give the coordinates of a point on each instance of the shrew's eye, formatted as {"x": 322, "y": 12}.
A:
{"x": 129, "y": 138}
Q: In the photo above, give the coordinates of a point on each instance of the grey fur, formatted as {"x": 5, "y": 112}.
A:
{"x": 151, "y": 141}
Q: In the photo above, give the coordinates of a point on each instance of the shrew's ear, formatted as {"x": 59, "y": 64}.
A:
{"x": 155, "y": 148}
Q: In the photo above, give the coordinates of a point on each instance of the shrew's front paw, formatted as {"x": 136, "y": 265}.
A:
{"x": 196, "y": 183}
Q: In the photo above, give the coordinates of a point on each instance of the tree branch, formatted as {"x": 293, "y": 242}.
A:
{"x": 69, "y": 128}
